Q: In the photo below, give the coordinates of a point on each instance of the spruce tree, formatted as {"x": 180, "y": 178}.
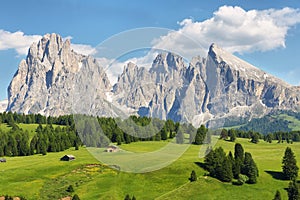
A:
{"x": 179, "y": 136}
{"x": 75, "y": 197}
{"x": 250, "y": 168}
{"x": 277, "y": 195}
{"x": 200, "y": 135}
{"x": 224, "y": 134}
{"x": 239, "y": 152}
{"x": 232, "y": 136}
{"x": 127, "y": 197}
{"x": 70, "y": 189}
{"x": 255, "y": 138}
{"x": 238, "y": 160}
{"x": 293, "y": 191}
{"x": 193, "y": 176}
{"x": 289, "y": 167}
{"x": 226, "y": 171}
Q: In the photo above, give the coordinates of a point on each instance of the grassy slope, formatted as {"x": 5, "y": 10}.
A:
{"x": 37, "y": 176}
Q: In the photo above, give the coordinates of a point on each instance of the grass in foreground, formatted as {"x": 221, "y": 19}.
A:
{"x": 40, "y": 177}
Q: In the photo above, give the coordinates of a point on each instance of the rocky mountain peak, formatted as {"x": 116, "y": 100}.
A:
{"x": 218, "y": 86}
{"x": 165, "y": 62}
{"x": 46, "y": 79}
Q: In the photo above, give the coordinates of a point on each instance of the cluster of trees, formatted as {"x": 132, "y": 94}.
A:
{"x": 14, "y": 143}
{"x": 224, "y": 167}
{"x": 98, "y": 132}
{"x": 49, "y": 139}
{"x": 17, "y": 142}
{"x": 232, "y": 134}
{"x": 280, "y": 136}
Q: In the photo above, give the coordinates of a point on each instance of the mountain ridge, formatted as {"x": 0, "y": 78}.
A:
{"x": 55, "y": 80}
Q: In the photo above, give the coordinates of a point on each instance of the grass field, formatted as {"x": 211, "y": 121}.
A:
{"x": 45, "y": 177}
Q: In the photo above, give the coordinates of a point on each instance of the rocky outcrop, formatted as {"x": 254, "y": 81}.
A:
{"x": 215, "y": 87}
{"x": 55, "y": 80}
{"x": 47, "y": 80}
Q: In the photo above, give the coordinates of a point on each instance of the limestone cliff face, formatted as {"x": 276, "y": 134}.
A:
{"x": 218, "y": 86}
{"x": 46, "y": 79}
{"x": 55, "y": 80}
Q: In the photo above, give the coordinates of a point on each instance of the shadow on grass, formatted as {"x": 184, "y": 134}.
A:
{"x": 200, "y": 164}
{"x": 276, "y": 175}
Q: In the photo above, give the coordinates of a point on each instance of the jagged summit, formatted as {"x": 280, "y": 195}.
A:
{"x": 53, "y": 78}
{"x": 165, "y": 62}
{"x": 46, "y": 78}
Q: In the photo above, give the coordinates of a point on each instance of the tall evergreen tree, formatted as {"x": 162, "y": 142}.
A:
{"x": 224, "y": 134}
{"x": 239, "y": 152}
{"x": 254, "y": 138}
{"x": 75, "y": 197}
{"x": 127, "y": 197}
{"x": 164, "y": 133}
{"x": 293, "y": 191}
{"x": 226, "y": 171}
{"x": 232, "y": 136}
{"x": 250, "y": 169}
{"x": 238, "y": 160}
{"x": 179, "y": 136}
{"x": 200, "y": 135}
{"x": 277, "y": 195}
{"x": 193, "y": 176}
{"x": 289, "y": 167}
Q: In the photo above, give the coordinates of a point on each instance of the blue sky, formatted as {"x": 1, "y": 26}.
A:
{"x": 90, "y": 22}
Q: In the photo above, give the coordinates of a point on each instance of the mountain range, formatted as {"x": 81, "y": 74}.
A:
{"x": 55, "y": 80}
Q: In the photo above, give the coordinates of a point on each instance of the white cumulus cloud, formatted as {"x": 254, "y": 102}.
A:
{"x": 84, "y": 49}
{"x": 17, "y": 40}
{"x": 21, "y": 43}
{"x": 234, "y": 29}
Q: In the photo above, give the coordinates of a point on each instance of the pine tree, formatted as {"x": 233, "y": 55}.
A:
{"x": 133, "y": 198}
{"x": 179, "y": 136}
{"x": 238, "y": 160}
{"x": 226, "y": 171}
{"x": 277, "y": 195}
{"x": 255, "y": 138}
{"x": 250, "y": 169}
{"x": 232, "y": 136}
{"x": 239, "y": 152}
{"x": 127, "y": 197}
{"x": 193, "y": 176}
{"x": 293, "y": 191}
{"x": 75, "y": 197}
{"x": 289, "y": 167}
{"x": 200, "y": 135}
{"x": 224, "y": 134}
{"x": 70, "y": 189}
{"x": 164, "y": 134}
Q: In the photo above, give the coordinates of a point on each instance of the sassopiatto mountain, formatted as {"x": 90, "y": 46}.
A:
{"x": 55, "y": 80}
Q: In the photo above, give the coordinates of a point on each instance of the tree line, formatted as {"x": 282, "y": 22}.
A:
{"x": 17, "y": 142}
